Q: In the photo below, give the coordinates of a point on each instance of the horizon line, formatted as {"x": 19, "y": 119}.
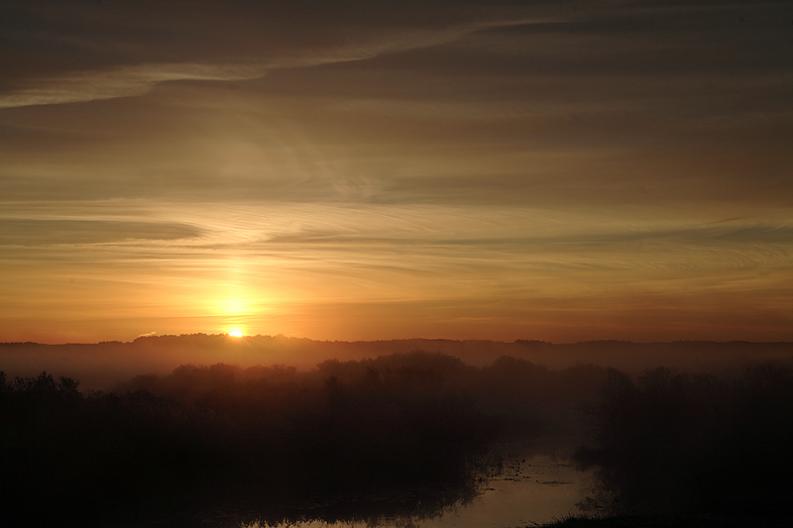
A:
{"x": 404, "y": 339}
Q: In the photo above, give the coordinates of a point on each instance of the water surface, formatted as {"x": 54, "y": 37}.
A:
{"x": 528, "y": 491}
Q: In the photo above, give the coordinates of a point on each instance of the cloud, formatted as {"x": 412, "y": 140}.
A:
{"x": 140, "y": 55}
{"x": 328, "y": 152}
{"x": 122, "y": 81}
{"x": 36, "y": 232}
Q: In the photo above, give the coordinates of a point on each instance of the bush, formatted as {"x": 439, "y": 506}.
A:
{"x": 672, "y": 443}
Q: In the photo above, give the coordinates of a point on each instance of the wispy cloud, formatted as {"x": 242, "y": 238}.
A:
{"x": 36, "y": 232}
{"x": 124, "y": 81}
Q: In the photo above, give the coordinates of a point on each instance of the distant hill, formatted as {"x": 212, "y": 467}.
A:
{"x": 101, "y": 364}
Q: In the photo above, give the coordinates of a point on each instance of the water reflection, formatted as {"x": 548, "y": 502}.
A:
{"x": 532, "y": 490}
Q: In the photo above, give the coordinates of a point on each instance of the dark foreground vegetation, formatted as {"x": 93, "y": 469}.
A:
{"x": 401, "y": 435}
{"x": 675, "y": 521}
{"x": 398, "y": 435}
{"x": 695, "y": 450}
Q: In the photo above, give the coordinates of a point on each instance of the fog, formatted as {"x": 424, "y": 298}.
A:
{"x": 104, "y": 364}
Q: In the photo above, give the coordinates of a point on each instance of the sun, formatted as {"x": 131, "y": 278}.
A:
{"x": 236, "y": 332}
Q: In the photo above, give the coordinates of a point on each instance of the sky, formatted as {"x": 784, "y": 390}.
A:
{"x": 557, "y": 170}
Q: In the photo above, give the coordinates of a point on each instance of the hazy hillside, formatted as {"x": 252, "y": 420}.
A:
{"x": 101, "y": 364}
